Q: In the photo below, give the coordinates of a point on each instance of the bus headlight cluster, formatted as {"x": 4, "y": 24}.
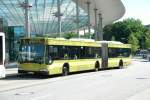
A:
{"x": 50, "y": 62}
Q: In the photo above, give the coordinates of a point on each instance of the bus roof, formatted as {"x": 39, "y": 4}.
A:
{"x": 61, "y": 41}
{"x": 115, "y": 44}
{"x": 110, "y": 42}
{"x": 73, "y": 42}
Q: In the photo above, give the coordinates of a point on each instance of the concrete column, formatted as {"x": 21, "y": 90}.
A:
{"x": 104, "y": 55}
{"x": 27, "y": 25}
{"x": 27, "y": 22}
{"x": 59, "y": 17}
{"x": 95, "y": 28}
{"x": 100, "y": 28}
{"x": 89, "y": 24}
{"x": 77, "y": 17}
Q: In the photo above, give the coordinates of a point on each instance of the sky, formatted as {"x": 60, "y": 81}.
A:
{"x": 138, "y": 9}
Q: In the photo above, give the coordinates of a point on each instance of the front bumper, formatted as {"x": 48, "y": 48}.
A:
{"x": 35, "y": 72}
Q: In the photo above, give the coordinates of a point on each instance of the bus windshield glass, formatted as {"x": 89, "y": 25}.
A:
{"x": 33, "y": 53}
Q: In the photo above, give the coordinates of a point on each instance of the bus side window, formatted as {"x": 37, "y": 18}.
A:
{"x": 65, "y": 52}
{"x": 97, "y": 52}
{"x": 65, "y": 56}
{"x": 75, "y": 56}
{"x": 52, "y": 52}
{"x": 96, "y": 55}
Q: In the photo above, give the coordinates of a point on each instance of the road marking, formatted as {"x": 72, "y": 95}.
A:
{"x": 25, "y": 93}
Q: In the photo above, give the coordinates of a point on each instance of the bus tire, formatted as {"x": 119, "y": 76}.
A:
{"x": 121, "y": 64}
{"x": 65, "y": 70}
{"x": 97, "y": 66}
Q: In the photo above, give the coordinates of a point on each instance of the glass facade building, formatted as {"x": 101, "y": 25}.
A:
{"x": 13, "y": 34}
{"x": 42, "y": 14}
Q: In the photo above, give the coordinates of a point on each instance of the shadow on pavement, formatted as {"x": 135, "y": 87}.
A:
{"x": 39, "y": 77}
{"x": 24, "y": 77}
{"x": 144, "y": 61}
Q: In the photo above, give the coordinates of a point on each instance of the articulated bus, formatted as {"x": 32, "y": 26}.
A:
{"x": 49, "y": 56}
{"x": 2, "y": 55}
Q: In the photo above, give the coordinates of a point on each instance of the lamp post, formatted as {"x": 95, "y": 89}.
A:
{"x": 96, "y": 36}
{"x": 58, "y": 14}
{"x": 77, "y": 17}
{"x": 100, "y": 27}
{"x": 25, "y": 5}
{"x": 89, "y": 24}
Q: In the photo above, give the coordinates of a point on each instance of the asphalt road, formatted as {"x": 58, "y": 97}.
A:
{"x": 132, "y": 83}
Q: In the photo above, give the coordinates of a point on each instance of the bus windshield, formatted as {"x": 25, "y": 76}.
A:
{"x": 33, "y": 53}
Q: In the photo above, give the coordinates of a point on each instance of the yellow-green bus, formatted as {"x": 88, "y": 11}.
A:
{"x": 49, "y": 56}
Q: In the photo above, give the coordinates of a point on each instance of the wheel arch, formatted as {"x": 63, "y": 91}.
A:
{"x": 97, "y": 64}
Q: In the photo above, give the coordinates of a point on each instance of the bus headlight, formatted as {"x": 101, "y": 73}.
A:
{"x": 50, "y": 61}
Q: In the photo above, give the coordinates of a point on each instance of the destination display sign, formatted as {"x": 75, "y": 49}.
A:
{"x": 32, "y": 41}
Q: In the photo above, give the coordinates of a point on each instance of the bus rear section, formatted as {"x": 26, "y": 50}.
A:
{"x": 115, "y": 54}
{"x": 2, "y": 55}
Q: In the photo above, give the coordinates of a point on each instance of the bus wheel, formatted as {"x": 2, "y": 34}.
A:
{"x": 65, "y": 70}
{"x": 121, "y": 64}
{"x": 97, "y": 66}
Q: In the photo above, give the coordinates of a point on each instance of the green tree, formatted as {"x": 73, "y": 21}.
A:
{"x": 134, "y": 42}
{"x": 108, "y": 33}
{"x": 129, "y": 31}
{"x": 113, "y": 38}
{"x": 70, "y": 35}
{"x": 147, "y": 43}
{"x": 147, "y": 39}
{"x": 121, "y": 30}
